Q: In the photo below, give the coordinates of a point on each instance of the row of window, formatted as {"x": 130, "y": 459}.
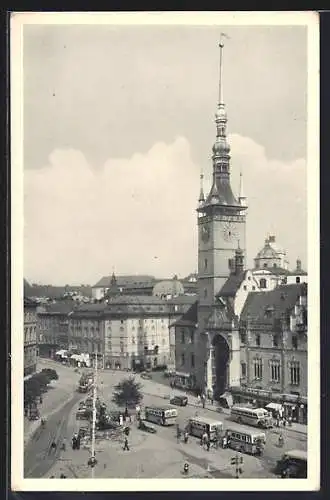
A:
{"x": 274, "y": 371}
{"x": 276, "y": 340}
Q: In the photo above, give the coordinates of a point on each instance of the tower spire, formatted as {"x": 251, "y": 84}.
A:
{"x": 201, "y": 193}
{"x": 221, "y": 45}
{"x": 241, "y": 196}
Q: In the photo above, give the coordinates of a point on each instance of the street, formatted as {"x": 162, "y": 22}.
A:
{"x": 151, "y": 455}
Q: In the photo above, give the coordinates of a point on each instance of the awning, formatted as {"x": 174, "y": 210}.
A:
{"x": 181, "y": 374}
{"x": 228, "y": 397}
{"x": 274, "y": 406}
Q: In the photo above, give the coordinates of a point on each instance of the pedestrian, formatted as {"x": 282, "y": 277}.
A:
{"x": 126, "y": 413}
{"x": 224, "y": 442}
{"x": 178, "y": 433}
{"x": 204, "y": 438}
{"x": 290, "y": 421}
{"x": 280, "y": 441}
{"x": 126, "y": 447}
{"x": 186, "y": 437}
{"x": 198, "y": 399}
{"x": 121, "y": 420}
{"x": 208, "y": 443}
{"x": 284, "y": 422}
{"x": 212, "y": 400}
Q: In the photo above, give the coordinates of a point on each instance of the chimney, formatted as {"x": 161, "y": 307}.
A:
{"x": 298, "y": 265}
{"x": 271, "y": 239}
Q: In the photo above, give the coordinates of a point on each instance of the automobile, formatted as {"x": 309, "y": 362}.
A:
{"x": 292, "y": 464}
{"x": 146, "y": 376}
{"x": 147, "y": 428}
{"x": 169, "y": 373}
{"x": 82, "y": 405}
{"x": 83, "y": 414}
{"x": 179, "y": 400}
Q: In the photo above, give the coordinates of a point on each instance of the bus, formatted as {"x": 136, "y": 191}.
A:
{"x": 259, "y": 417}
{"x": 161, "y": 415}
{"x": 246, "y": 440}
{"x": 198, "y": 425}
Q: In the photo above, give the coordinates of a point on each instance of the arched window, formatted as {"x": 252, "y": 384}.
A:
{"x": 263, "y": 283}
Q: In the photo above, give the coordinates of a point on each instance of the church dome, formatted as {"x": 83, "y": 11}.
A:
{"x": 168, "y": 287}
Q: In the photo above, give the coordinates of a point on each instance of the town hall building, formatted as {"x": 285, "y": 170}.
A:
{"x": 211, "y": 356}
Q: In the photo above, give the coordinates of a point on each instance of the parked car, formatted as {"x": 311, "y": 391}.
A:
{"x": 169, "y": 373}
{"x": 83, "y": 414}
{"x": 146, "y": 376}
{"x": 179, "y": 401}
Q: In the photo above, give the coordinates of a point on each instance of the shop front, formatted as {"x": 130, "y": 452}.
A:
{"x": 294, "y": 405}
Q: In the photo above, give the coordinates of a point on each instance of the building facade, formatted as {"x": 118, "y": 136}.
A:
{"x": 127, "y": 332}
{"x": 53, "y": 327}
{"x": 273, "y": 341}
{"x": 30, "y": 337}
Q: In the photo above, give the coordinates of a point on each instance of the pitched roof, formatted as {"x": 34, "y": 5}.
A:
{"x": 61, "y": 307}
{"x": 122, "y": 281}
{"x": 278, "y": 271}
{"x": 232, "y": 284}
{"x": 189, "y": 318}
{"x": 265, "y": 307}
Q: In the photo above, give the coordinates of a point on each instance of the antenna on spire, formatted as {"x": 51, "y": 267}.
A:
{"x": 221, "y": 45}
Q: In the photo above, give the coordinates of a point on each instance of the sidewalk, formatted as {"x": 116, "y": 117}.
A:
{"x": 59, "y": 393}
{"x": 166, "y": 392}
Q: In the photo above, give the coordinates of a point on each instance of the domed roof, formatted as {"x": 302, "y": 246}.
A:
{"x": 168, "y": 287}
{"x": 270, "y": 249}
{"x": 221, "y": 146}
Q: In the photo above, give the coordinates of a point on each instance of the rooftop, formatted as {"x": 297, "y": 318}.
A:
{"x": 232, "y": 284}
{"x": 264, "y": 307}
{"x": 125, "y": 281}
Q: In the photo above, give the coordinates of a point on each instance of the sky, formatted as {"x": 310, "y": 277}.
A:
{"x": 118, "y": 125}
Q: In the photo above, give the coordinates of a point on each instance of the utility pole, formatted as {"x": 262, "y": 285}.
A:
{"x": 238, "y": 462}
{"x": 92, "y": 461}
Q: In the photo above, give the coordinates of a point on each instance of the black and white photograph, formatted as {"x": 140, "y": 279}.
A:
{"x": 165, "y": 251}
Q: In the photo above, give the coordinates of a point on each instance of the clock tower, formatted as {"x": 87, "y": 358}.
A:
{"x": 221, "y": 229}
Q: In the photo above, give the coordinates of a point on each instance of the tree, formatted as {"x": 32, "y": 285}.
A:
{"x": 51, "y": 373}
{"x": 127, "y": 393}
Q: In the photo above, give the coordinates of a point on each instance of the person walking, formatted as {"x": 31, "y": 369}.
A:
{"x": 178, "y": 433}
{"x": 186, "y": 436}
{"x": 203, "y": 400}
{"x": 280, "y": 441}
{"x": 126, "y": 447}
{"x": 208, "y": 443}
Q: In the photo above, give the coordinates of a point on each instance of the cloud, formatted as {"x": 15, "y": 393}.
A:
{"x": 138, "y": 214}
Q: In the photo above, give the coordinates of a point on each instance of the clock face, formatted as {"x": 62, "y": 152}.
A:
{"x": 205, "y": 233}
{"x": 230, "y": 232}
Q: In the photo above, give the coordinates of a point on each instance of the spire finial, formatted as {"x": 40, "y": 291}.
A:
{"x": 201, "y": 193}
{"x": 241, "y": 197}
{"x": 221, "y": 45}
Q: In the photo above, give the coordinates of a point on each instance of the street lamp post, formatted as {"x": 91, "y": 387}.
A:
{"x": 92, "y": 458}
